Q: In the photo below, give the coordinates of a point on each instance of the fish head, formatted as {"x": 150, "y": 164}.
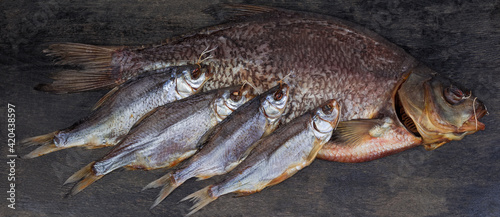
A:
{"x": 325, "y": 119}
{"x": 231, "y": 99}
{"x": 275, "y": 101}
{"x": 440, "y": 111}
{"x": 191, "y": 78}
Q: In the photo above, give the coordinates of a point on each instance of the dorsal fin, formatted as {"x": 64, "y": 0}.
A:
{"x": 105, "y": 98}
{"x": 145, "y": 116}
{"x": 236, "y": 11}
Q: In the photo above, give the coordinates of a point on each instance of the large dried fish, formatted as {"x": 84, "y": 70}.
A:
{"x": 330, "y": 59}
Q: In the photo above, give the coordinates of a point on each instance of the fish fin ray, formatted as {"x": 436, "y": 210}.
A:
{"x": 314, "y": 152}
{"x": 96, "y": 73}
{"x": 80, "y": 173}
{"x": 42, "y": 139}
{"x": 354, "y": 132}
{"x": 42, "y": 150}
{"x": 210, "y": 133}
{"x": 142, "y": 118}
{"x": 169, "y": 185}
{"x": 88, "y": 178}
{"x": 236, "y": 11}
{"x": 105, "y": 98}
{"x": 248, "y": 152}
{"x": 159, "y": 182}
{"x": 47, "y": 143}
{"x": 201, "y": 198}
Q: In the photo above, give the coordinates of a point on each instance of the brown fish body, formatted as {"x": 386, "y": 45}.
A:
{"x": 327, "y": 58}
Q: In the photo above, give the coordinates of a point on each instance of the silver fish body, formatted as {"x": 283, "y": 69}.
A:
{"x": 122, "y": 107}
{"x": 276, "y": 157}
{"x": 171, "y": 133}
{"x": 227, "y": 142}
{"x": 167, "y": 135}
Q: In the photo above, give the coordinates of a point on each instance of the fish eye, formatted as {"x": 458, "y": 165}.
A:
{"x": 453, "y": 95}
{"x": 327, "y": 109}
{"x": 235, "y": 96}
{"x": 196, "y": 73}
{"x": 278, "y": 95}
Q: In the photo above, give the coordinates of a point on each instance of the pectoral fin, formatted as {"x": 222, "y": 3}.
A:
{"x": 356, "y": 132}
{"x": 314, "y": 152}
{"x": 365, "y": 140}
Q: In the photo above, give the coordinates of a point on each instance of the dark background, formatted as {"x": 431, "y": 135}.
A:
{"x": 460, "y": 39}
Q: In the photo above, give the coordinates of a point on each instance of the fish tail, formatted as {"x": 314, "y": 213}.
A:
{"x": 42, "y": 150}
{"x": 159, "y": 182}
{"x": 43, "y": 139}
{"x": 86, "y": 174}
{"x": 97, "y": 70}
{"x": 47, "y": 143}
{"x": 201, "y": 198}
{"x": 169, "y": 185}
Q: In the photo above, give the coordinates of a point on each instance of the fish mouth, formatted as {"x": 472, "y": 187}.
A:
{"x": 473, "y": 124}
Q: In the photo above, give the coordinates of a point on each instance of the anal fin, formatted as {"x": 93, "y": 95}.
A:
{"x": 292, "y": 169}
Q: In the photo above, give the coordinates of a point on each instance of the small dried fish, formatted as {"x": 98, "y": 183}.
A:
{"x": 276, "y": 157}
{"x": 167, "y": 135}
{"x": 226, "y": 143}
{"x": 122, "y": 107}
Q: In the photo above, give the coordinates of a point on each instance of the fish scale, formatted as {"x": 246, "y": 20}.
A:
{"x": 288, "y": 54}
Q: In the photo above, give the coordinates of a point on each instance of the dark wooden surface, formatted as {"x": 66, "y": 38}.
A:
{"x": 460, "y": 39}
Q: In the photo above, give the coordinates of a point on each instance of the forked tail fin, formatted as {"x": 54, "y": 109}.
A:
{"x": 47, "y": 143}
{"x": 201, "y": 198}
{"x": 97, "y": 71}
{"x": 169, "y": 185}
{"x": 86, "y": 174}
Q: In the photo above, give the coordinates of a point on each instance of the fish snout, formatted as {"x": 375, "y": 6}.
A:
{"x": 481, "y": 110}
{"x": 473, "y": 124}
